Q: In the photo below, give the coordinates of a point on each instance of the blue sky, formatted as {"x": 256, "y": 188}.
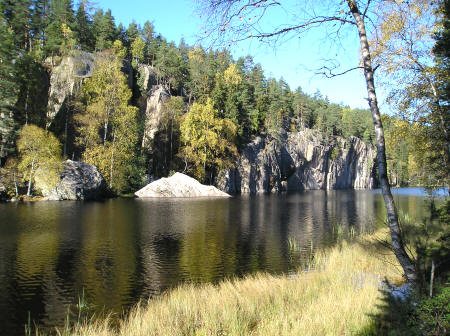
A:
{"x": 176, "y": 19}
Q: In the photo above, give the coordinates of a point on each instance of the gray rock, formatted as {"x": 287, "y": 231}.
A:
{"x": 79, "y": 181}
{"x": 300, "y": 161}
{"x": 66, "y": 78}
{"x": 179, "y": 185}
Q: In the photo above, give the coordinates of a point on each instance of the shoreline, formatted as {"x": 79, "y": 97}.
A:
{"x": 336, "y": 295}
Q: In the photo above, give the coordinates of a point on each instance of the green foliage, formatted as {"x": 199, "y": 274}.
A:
{"x": 137, "y": 50}
{"x": 132, "y": 33}
{"x": 8, "y": 89}
{"x": 61, "y": 20}
{"x": 414, "y": 312}
{"x": 417, "y": 76}
{"x": 171, "y": 66}
{"x": 430, "y": 241}
{"x": 335, "y": 152}
{"x": 104, "y": 29}
{"x": 357, "y": 122}
{"x": 202, "y": 73}
{"x": 399, "y": 151}
{"x": 432, "y": 316}
{"x": 208, "y": 140}
{"x": 141, "y": 83}
{"x": 83, "y": 27}
{"x": 108, "y": 126}
{"x": 40, "y": 157}
{"x": 413, "y": 315}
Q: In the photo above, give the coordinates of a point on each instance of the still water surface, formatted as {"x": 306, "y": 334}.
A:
{"x": 119, "y": 251}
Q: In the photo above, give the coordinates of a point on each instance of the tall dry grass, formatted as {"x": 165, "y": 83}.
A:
{"x": 334, "y": 299}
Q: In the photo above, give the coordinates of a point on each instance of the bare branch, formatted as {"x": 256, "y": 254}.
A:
{"x": 328, "y": 72}
{"x": 366, "y": 9}
{"x": 236, "y": 20}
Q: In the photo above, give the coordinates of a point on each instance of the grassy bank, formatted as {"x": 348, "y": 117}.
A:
{"x": 334, "y": 299}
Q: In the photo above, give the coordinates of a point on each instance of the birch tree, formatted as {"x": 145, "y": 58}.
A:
{"x": 39, "y": 149}
{"x": 238, "y": 20}
{"x": 107, "y": 127}
{"x": 207, "y": 140}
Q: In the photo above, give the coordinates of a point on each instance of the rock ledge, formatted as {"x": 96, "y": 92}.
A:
{"x": 179, "y": 185}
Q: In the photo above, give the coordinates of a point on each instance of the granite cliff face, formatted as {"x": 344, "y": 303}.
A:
{"x": 156, "y": 95}
{"x": 66, "y": 78}
{"x": 300, "y": 161}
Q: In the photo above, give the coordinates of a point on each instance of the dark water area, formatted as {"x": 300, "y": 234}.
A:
{"x": 119, "y": 251}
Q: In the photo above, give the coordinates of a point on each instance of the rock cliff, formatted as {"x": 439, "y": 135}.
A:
{"x": 156, "y": 95}
{"x": 300, "y": 161}
{"x": 79, "y": 181}
{"x": 179, "y": 185}
{"x": 66, "y": 77}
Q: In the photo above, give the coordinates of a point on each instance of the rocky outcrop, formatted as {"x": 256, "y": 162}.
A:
{"x": 156, "y": 95}
{"x": 300, "y": 161}
{"x": 179, "y": 185}
{"x": 79, "y": 181}
{"x": 66, "y": 77}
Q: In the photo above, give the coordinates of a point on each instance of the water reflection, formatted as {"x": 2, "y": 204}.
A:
{"x": 119, "y": 251}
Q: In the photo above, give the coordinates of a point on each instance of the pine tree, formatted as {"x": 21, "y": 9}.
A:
{"x": 61, "y": 15}
{"x": 18, "y": 15}
{"x": 170, "y": 63}
{"x": 104, "y": 29}
{"x": 132, "y": 33}
{"x": 151, "y": 45}
{"x": 83, "y": 28}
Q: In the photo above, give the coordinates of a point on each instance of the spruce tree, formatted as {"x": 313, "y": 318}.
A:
{"x": 61, "y": 13}
{"x": 104, "y": 29}
{"x": 83, "y": 28}
{"x": 17, "y": 14}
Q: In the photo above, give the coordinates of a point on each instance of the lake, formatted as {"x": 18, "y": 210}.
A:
{"x": 119, "y": 251}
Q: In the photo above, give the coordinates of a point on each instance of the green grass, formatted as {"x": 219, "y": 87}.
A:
{"x": 338, "y": 297}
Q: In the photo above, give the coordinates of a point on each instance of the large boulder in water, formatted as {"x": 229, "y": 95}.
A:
{"x": 79, "y": 181}
{"x": 179, "y": 185}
